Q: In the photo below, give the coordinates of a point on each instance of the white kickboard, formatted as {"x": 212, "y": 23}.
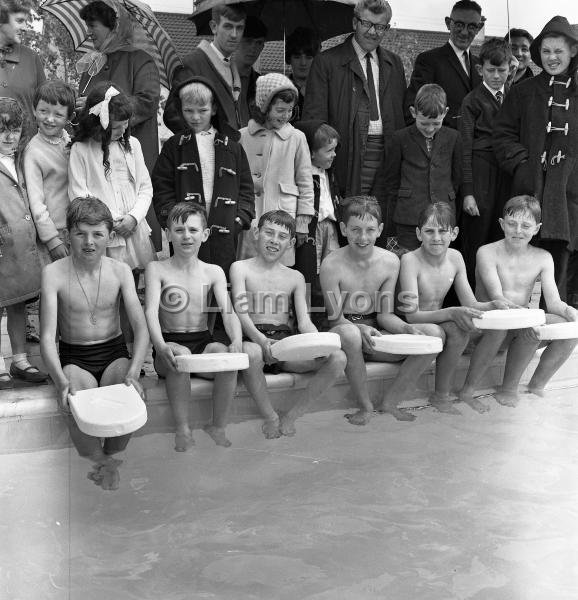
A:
{"x": 306, "y": 346}
{"x": 108, "y": 411}
{"x": 513, "y": 318}
{"x": 558, "y": 331}
{"x": 216, "y": 362}
{"x": 406, "y": 343}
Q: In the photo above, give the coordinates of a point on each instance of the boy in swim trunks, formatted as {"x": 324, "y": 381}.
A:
{"x": 426, "y": 276}
{"x": 80, "y": 303}
{"x": 507, "y": 270}
{"x": 358, "y": 283}
{"x": 178, "y": 291}
{"x": 265, "y": 293}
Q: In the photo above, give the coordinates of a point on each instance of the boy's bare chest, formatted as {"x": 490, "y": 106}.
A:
{"x": 181, "y": 291}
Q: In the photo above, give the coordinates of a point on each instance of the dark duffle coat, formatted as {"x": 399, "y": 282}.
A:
{"x": 177, "y": 178}
{"x": 551, "y": 168}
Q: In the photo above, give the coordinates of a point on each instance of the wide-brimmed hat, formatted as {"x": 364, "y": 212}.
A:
{"x": 556, "y": 26}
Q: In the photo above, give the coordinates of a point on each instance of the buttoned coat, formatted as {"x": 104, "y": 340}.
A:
{"x": 442, "y": 66}
{"x": 21, "y": 260}
{"x": 177, "y": 177}
{"x": 416, "y": 178}
{"x": 337, "y": 93}
{"x": 520, "y": 133}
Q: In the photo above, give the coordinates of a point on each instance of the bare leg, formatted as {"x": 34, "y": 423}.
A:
{"x": 16, "y": 327}
{"x": 223, "y": 392}
{"x": 355, "y": 372}
{"x": 456, "y": 340}
{"x": 256, "y": 384}
{"x": 520, "y": 353}
{"x": 554, "y": 356}
{"x": 328, "y": 370}
{"x": 482, "y": 357}
{"x": 178, "y": 386}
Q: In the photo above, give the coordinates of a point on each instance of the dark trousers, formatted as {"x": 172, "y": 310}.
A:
{"x": 561, "y": 255}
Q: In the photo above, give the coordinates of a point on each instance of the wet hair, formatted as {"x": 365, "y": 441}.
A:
{"x": 88, "y": 210}
{"x": 441, "y": 213}
{"x": 181, "y": 211}
{"x": 283, "y": 95}
{"x": 99, "y": 11}
{"x": 324, "y": 134}
{"x": 431, "y": 100}
{"x": 302, "y": 40}
{"x": 233, "y": 12}
{"x": 496, "y": 52}
{"x": 89, "y": 126}
{"x": 254, "y": 28}
{"x": 377, "y": 7}
{"x": 361, "y": 207}
{"x": 55, "y": 92}
{"x": 467, "y": 5}
{"x": 12, "y": 115}
{"x": 278, "y": 217}
{"x": 524, "y": 204}
{"x": 518, "y": 33}
{"x": 196, "y": 92}
{"x": 9, "y": 7}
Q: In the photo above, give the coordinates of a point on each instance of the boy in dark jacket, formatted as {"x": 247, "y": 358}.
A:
{"x": 206, "y": 165}
{"x": 424, "y": 166}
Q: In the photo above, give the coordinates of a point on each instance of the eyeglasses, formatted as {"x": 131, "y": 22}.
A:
{"x": 367, "y": 25}
{"x": 471, "y": 27}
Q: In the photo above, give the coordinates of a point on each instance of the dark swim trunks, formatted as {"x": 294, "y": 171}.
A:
{"x": 195, "y": 341}
{"x": 369, "y": 319}
{"x": 275, "y": 332}
{"x": 94, "y": 358}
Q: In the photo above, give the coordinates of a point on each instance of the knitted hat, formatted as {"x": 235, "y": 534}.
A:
{"x": 269, "y": 85}
{"x": 556, "y": 26}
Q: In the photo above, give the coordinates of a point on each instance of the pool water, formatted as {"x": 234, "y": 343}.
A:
{"x": 447, "y": 507}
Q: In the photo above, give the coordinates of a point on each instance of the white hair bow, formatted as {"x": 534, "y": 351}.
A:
{"x": 101, "y": 109}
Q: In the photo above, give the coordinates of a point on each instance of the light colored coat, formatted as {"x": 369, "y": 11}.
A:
{"x": 284, "y": 181}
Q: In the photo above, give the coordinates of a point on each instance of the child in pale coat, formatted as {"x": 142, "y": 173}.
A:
{"x": 279, "y": 158}
{"x": 107, "y": 162}
{"x": 20, "y": 259}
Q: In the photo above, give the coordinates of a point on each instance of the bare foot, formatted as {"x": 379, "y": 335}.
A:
{"x": 536, "y": 391}
{"x": 106, "y": 474}
{"x": 474, "y": 403}
{"x": 400, "y": 415}
{"x": 218, "y": 435}
{"x": 270, "y": 429}
{"x": 287, "y": 425}
{"x": 361, "y": 417}
{"x": 443, "y": 404}
{"x": 507, "y": 397}
{"x": 183, "y": 441}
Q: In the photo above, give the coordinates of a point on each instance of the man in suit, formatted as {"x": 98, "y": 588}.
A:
{"x": 357, "y": 87}
{"x": 452, "y": 65}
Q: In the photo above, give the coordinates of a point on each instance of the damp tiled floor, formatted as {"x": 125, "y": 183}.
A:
{"x": 471, "y": 507}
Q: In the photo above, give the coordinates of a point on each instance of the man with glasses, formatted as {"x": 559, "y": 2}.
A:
{"x": 358, "y": 87}
{"x": 452, "y": 65}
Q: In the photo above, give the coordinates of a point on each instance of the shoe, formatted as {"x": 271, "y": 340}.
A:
{"x": 30, "y": 374}
{"x": 6, "y": 382}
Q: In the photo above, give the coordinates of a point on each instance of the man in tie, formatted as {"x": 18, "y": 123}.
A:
{"x": 452, "y": 65}
{"x": 213, "y": 61}
{"x": 357, "y": 87}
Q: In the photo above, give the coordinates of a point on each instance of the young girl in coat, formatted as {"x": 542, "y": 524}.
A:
{"x": 20, "y": 259}
{"x": 107, "y": 162}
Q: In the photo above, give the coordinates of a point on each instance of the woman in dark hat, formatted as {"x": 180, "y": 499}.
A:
{"x": 536, "y": 141}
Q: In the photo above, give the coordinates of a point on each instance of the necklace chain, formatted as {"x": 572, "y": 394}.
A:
{"x": 92, "y": 313}
{"x": 53, "y": 141}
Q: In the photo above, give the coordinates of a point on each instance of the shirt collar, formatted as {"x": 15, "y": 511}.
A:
{"x": 493, "y": 92}
{"x": 210, "y": 131}
{"x": 317, "y": 170}
{"x": 459, "y": 53}
{"x": 361, "y": 52}
{"x": 220, "y": 54}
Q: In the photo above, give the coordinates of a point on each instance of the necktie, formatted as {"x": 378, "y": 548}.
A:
{"x": 499, "y": 97}
{"x": 373, "y": 111}
{"x": 467, "y": 62}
